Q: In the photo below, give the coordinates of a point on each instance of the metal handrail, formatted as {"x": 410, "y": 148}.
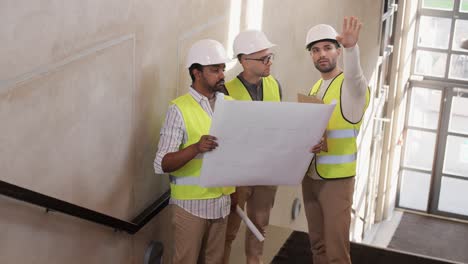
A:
{"x": 54, "y": 204}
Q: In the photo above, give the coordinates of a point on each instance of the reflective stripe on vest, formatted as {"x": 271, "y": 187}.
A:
{"x": 185, "y": 180}
{"x": 342, "y": 133}
{"x": 340, "y": 160}
{"x": 336, "y": 159}
{"x": 238, "y": 91}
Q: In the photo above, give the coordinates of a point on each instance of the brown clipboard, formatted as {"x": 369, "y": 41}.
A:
{"x": 302, "y": 98}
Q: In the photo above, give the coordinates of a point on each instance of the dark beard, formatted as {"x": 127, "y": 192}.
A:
{"x": 325, "y": 70}
{"x": 218, "y": 87}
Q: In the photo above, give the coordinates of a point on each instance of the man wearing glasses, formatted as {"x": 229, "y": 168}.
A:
{"x": 254, "y": 83}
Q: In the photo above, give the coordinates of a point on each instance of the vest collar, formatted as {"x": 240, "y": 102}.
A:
{"x": 321, "y": 80}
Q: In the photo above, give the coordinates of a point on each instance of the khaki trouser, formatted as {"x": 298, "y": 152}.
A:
{"x": 259, "y": 200}
{"x": 327, "y": 206}
{"x": 197, "y": 240}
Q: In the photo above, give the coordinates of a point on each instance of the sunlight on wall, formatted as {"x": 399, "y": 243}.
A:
{"x": 234, "y": 27}
{"x": 254, "y": 15}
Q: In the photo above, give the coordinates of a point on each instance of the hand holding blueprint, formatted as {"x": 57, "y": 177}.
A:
{"x": 263, "y": 143}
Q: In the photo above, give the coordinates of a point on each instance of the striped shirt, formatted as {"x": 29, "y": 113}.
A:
{"x": 173, "y": 134}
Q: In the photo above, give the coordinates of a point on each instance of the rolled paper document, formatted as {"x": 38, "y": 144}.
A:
{"x": 249, "y": 224}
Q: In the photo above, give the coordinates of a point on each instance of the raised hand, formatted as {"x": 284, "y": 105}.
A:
{"x": 350, "y": 34}
{"x": 206, "y": 143}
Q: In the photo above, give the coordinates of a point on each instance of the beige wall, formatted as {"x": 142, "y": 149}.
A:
{"x": 84, "y": 87}
{"x": 287, "y": 26}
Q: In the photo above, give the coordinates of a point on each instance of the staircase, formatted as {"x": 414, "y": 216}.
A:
{"x": 296, "y": 250}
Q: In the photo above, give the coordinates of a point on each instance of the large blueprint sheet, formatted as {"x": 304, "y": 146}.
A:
{"x": 263, "y": 143}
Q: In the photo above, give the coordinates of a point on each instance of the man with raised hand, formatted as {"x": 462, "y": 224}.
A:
{"x": 328, "y": 186}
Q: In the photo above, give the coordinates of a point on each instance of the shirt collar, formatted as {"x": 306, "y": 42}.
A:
{"x": 198, "y": 96}
{"x": 249, "y": 85}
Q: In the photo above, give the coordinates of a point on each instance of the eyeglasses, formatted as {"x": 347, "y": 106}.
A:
{"x": 265, "y": 60}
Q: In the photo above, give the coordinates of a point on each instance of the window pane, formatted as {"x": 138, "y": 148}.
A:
{"x": 434, "y": 32}
{"x": 464, "y": 6}
{"x": 453, "y": 196}
{"x": 424, "y": 108}
{"x": 456, "y": 156}
{"x": 430, "y": 63}
{"x": 419, "y": 150}
{"x": 386, "y": 5}
{"x": 459, "y": 67}
{"x": 461, "y": 33}
{"x": 414, "y": 190}
{"x": 391, "y": 28}
{"x": 438, "y": 4}
{"x": 459, "y": 115}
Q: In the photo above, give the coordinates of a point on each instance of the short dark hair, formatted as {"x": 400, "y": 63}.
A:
{"x": 239, "y": 56}
{"x": 195, "y": 66}
{"x": 337, "y": 44}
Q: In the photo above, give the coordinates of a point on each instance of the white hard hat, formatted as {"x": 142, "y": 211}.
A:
{"x": 320, "y": 32}
{"x": 207, "y": 52}
{"x": 251, "y": 41}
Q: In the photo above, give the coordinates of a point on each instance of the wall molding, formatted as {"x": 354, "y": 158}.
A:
{"x": 8, "y": 84}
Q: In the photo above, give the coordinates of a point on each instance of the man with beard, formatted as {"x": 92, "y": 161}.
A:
{"x": 199, "y": 214}
{"x": 254, "y": 83}
{"x": 328, "y": 186}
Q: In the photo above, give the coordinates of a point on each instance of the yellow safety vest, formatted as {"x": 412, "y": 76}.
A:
{"x": 238, "y": 91}
{"x": 184, "y": 182}
{"x": 340, "y": 160}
